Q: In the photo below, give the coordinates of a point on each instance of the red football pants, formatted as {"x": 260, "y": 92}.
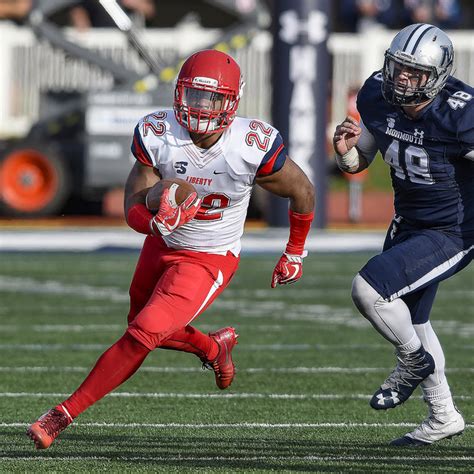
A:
{"x": 172, "y": 287}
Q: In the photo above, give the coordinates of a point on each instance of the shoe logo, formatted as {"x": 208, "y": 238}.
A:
{"x": 219, "y": 172}
{"x": 393, "y": 397}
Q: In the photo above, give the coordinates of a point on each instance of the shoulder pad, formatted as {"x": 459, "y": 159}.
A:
{"x": 148, "y": 134}
{"x": 456, "y": 107}
{"x": 259, "y": 147}
{"x": 370, "y": 95}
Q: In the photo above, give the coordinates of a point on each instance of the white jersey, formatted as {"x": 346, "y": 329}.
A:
{"x": 223, "y": 175}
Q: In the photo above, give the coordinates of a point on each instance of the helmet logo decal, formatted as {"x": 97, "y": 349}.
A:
{"x": 205, "y": 81}
{"x": 447, "y": 56}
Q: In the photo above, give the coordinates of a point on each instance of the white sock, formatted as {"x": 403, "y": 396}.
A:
{"x": 435, "y": 387}
{"x": 392, "y": 319}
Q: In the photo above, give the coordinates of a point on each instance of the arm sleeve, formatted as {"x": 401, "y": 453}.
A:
{"x": 300, "y": 224}
{"x": 366, "y": 146}
{"x": 274, "y": 159}
{"x": 139, "y": 217}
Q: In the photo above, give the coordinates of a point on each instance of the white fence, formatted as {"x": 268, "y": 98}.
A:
{"x": 355, "y": 57}
{"x": 30, "y": 67}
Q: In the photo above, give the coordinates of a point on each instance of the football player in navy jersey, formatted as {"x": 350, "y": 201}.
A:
{"x": 421, "y": 119}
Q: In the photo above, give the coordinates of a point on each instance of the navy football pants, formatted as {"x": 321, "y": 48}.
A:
{"x": 412, "y": 264}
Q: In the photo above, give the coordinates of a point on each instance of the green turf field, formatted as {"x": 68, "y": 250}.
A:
{"x": 307, "y": 366}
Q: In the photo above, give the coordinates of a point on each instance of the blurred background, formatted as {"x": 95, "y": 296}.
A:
{"x": 77, "y": 75}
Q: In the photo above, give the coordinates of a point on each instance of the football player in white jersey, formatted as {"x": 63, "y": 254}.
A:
{"x": 192, "y": 250}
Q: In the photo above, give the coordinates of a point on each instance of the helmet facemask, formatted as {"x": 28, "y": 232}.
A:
{"x": 204, "y": 109}
{"x": 418, "y": 84}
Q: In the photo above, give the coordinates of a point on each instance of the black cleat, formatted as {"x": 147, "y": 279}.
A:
{"x": 411, "y": 370}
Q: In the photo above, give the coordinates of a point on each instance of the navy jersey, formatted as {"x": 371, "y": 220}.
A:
{"x": 431, "y": 157}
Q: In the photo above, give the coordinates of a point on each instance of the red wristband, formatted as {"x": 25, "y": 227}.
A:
{"x": 299, "y": 229}
{"x": 138, "y": 218}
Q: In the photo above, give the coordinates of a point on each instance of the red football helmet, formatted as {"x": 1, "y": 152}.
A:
{"x": 208, "y": 91}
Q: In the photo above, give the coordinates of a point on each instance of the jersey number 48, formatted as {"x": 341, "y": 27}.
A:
{"x": 412, "y": 163}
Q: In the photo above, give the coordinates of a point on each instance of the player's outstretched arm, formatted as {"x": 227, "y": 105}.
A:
{"x": 291, "y": 182}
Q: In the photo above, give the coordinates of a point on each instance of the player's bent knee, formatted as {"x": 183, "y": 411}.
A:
{"x": 363, "y": 295}
{"x": 144, "y": 338}
{"x": 153, "y": 325}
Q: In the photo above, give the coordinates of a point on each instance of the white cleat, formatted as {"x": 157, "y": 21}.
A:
{"x": 439, "y": 425}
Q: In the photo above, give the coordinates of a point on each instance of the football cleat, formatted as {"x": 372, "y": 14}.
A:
{"x": 48, "y": 426}
{"x": 440, "y": 424}
{"x": 222, "y": 365}
{"x": 411, "y": 370}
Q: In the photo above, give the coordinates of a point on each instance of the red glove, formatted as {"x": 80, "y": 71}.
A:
{"x": 289, "y": 269}
{"x": 171, "y": 216}
{"x": 290, "y": 266}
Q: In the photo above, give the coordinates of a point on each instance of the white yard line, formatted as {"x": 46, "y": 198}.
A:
{"x": 114, "y": 328}
{"x": 109, "y": 328}
{"x": 249, "y": 370}
{"x": 53, "y": 287}
{"x": 337, "y": 458}
{"x": 273, "y": 396}
{"x": 54, "y": 347}
{"x": 241, "y": 347}
{"x": 249, "y": 307}
{"x": 234, "y": 425}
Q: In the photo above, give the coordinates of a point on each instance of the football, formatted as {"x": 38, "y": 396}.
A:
{"x": 179, "y": 191}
